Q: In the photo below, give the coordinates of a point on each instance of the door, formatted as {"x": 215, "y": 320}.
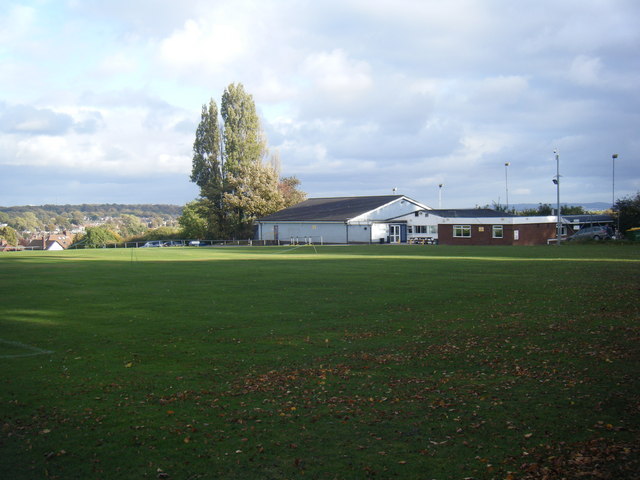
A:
{"x": 394, "y": 233}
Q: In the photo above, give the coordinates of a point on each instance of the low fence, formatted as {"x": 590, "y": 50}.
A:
{"x": 181, "y": 243}
{"x": 193, "y": 243}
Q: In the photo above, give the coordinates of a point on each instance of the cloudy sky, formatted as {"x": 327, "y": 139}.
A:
{"x": 99, "y": 100}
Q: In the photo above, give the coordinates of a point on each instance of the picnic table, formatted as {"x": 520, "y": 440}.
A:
{"x": 422, "y": 241}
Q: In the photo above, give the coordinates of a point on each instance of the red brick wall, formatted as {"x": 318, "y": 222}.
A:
{"x": 529, "y": 234}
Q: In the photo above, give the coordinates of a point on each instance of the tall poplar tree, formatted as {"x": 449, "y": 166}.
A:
{"x": 244, "y": 141}
{"x": 207, "y": 169}
{"x": 236, "y": 187}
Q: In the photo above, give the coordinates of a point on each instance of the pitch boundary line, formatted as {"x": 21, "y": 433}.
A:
{"x": 33, "y": 350}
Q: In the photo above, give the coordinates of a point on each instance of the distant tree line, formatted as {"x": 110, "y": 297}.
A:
{"x": 544, "y": 209}
{"x": 124, "y": 219}
{"x": 100, "y": 209}
{"x": 628, "y": 210}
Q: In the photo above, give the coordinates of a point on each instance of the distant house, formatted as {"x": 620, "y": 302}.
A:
{"x": 50, "y": 242}
{"x": 340, "y": 220}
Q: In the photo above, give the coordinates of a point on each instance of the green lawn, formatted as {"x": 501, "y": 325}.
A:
{"x": 426, "y": 362}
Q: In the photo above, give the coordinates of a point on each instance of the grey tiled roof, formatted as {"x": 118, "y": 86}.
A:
{"x": 336, "y": 209}
{"x": 470, "y": 213}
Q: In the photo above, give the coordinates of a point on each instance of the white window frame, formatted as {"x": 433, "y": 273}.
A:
{"x": 497, "y": 231}
{"x": 462, "y": 231}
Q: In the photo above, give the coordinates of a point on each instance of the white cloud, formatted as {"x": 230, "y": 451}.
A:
{"x": 504, "y": 88}
{"x": 202, "y": 46}
{"x": 336, "y": 74}
{"x": 355, "y": 94}
{"x": 118, "y": 63}
{"x": 585, "y": 70}
{"x": 15, "y": 24}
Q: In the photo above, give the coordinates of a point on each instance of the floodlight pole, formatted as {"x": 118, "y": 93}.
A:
{"x": 440, "y": 195}
{"x": 506, "y": 182}
{"x": 557, "y": 182}
{"x": 613, "y": 187}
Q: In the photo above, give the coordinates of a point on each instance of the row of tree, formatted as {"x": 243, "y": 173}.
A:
{"x": 238, "y": 182}
{"x": 626, "y": 209}
{"x": 126, "y": 219}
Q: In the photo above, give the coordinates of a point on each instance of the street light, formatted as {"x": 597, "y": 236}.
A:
{"x": 440, "y": 195}
{"x": 506, "y": 181}
{"x": 556, "y": 181}
{"x": 613, "y": 186}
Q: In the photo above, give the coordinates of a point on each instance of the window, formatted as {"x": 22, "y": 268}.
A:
{"x": 462, "y": 231}
{"x": 424, "y": 229}
{"x": 497, "y": 231}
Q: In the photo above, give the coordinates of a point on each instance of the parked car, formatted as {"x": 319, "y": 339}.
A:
{"x": 155, "y": 243}
{"x": 592, "y": 233}
{"x": 174, "y": 244}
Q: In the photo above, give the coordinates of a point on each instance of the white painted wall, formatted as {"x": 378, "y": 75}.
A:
{"x": 423, "y": 218}
{"x": 359, "y": 233}
{"x": 391, "y": 210}
{"x": 378, "y": 231}
{"x": 327, "y": 232}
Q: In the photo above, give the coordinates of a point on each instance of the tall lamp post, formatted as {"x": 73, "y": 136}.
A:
{"x": 506, "y": 181}
{"x": 613, "y": 187}
{"x": 556, "y": 180}
{"x": 440, "y": 195}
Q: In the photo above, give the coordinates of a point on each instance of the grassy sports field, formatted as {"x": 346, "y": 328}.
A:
{"x": 327, "y": 362}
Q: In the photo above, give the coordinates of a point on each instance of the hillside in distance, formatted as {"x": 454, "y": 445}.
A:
{"x": 99, "y": 210}
{"x": 588, "y": 207}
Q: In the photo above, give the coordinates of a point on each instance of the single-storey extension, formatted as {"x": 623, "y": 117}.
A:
{"x": 477, "y": 226}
